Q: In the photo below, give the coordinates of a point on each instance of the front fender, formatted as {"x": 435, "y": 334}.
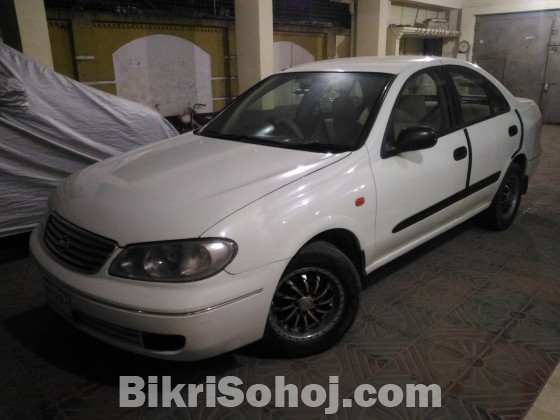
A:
{"x": 276, "y": 226}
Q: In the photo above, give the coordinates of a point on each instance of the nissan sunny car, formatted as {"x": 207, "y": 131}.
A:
{"x": 260, "y": 225}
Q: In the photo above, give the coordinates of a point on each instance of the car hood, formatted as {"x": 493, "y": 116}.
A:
{"x": 178, "y": 188}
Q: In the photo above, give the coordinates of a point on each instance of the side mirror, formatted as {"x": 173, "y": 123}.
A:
{"x": 415, "y": 138}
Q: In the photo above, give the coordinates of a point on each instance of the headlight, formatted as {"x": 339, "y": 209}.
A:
{"x": 177, "y": 261}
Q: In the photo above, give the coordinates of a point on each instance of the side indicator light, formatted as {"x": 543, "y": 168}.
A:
{"x": 359, "y": 201}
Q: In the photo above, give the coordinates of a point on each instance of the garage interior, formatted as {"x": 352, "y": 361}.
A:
{"x": 473, "y": 311}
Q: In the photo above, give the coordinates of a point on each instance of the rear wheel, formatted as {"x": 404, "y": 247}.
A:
{"x": 504, "y": 207}
{"x": 315, "y": 302}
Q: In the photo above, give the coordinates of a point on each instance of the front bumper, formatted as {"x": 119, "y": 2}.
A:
{"x": 185, "y": 321}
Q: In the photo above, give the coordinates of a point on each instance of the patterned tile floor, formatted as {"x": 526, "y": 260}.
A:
{"x": 476, "y": 312}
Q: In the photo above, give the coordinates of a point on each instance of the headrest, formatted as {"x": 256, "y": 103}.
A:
{"x": 412, "y": 105}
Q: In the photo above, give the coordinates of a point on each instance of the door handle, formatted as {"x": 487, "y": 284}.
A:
{"x": 460, "y": 153}
{"x": 513, "y": 130}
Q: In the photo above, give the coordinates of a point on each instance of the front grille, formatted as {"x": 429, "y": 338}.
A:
{"x": 75, "y": 247}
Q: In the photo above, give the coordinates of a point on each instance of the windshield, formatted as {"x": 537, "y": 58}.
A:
{"x": 309, "y": 111}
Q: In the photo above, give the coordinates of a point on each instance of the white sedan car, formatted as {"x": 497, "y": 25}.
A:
{"x": 261, "y": 224}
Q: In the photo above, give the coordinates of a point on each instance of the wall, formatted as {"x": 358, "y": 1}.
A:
{"x": 414, "y": 14}
{"x": 314, "y": 43}
{"x": 61, "y": 45}
{"x": 83, "y": 45}
{"x": 405, "y": 12}
{"x": 408, "y": 15}
{"x": 449, "y": 4}
{"x": 343, "y": 46}
{"x": 110, "y": 37}
{"x": 166, "y": 72}
{"x": 513, "y": 5}
{"x": 94, "y": 37}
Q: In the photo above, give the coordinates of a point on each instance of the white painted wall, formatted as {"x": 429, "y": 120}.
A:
{"x": 164, "y": 72}
{"x": 288, "y": 54}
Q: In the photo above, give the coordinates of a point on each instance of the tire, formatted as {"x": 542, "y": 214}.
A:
{"x": 504, "y": 207}
{"x": 314, "y": 304}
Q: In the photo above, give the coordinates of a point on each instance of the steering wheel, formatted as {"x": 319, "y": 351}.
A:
{"x": 281, "y": 123}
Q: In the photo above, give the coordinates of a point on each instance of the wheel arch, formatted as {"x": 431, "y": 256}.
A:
{"x": 347, "y": 243}
{"x": 521, "y": 160}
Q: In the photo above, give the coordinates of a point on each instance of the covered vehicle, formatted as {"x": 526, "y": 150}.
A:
{"x": 261, "y": 224}
{"x": 52, "y": 126}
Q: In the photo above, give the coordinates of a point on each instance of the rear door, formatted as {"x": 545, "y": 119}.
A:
{"x": 493, "y": 132}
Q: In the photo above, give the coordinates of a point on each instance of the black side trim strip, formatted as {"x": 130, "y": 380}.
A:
{"x": 482, "y": 184}
{"x": 469, "y": 146}
{"x": 522, "y": 132}
{"x": 424, "y": 214}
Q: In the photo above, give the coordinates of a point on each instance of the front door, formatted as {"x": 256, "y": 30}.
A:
{"x": 419, "y": 191}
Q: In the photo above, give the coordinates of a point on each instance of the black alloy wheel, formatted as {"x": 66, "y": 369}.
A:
{"x": 315, "y": 302}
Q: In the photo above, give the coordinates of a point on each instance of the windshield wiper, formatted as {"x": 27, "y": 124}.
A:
{"x": 312, "y": 146}
{"x": 218, "y": 135}
{"x": 317, "y": 146}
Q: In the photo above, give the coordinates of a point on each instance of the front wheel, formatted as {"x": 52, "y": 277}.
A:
{"x": 502, "y": 211}
{"x": 315, "y": 302}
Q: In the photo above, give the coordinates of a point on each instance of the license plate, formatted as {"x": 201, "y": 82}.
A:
{"x": 58, "y": 300}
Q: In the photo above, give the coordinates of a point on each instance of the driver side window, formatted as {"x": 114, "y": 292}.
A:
{"x": 422, "y": 102}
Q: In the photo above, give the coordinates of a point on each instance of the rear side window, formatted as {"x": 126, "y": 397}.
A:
{"x": 480, "y": 99}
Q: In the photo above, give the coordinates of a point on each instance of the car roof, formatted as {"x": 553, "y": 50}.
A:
{"x": 388, "y": 64}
